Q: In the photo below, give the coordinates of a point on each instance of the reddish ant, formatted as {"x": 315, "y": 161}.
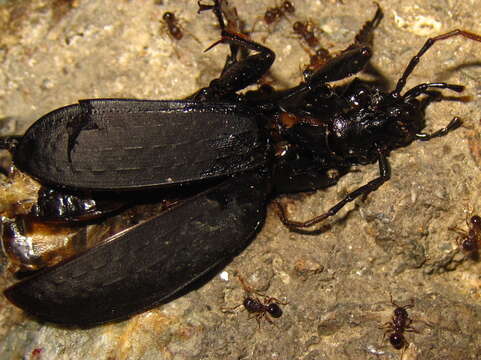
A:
{"x": 321, "y": 56}
{"x": 399, "y": 324}
{"x": 470, "y": 240}
{"x": 304, "y": 30}
{"x": 172, "y": 24}
{"x": 274, "y": 14}
{"x": 260, "y": 309}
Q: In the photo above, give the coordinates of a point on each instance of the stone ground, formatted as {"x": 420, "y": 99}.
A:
{"x": 338, "y": 283}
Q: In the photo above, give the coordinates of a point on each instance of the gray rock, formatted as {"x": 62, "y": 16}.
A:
{"x": 338, "y": 283}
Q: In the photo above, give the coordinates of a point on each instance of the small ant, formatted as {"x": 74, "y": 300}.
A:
{"x": 470, "y": 240}
{"x": 274, "y": 14}
{"x": 398, "y": 325}
{"x": 260, "y": 309}
{"x": 303, "y": 29}
{"x": 173, "y": 25}
{"x": 321, "y": 55}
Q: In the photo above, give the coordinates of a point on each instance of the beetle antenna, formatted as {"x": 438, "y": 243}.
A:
{"x": 427, "y": 45}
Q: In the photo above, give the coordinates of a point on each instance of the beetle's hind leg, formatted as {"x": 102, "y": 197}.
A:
{"x": 236, "y": 74}
{"x": 364, "y": 35}
{"x": 371, "y": 186}
{"x": 349, "y": 62}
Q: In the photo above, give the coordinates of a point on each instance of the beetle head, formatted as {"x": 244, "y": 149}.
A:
{"x": 375, "y": 120}
{"x": 381, "y": 118}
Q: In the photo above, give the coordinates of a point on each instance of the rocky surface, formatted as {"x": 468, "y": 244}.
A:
{"x": 338, "y": 283}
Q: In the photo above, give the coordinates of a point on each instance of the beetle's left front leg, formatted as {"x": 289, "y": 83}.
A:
{"x": 371, "y": 186}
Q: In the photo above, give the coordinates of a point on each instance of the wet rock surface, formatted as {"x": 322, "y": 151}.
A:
{"x": 337, "y": 284}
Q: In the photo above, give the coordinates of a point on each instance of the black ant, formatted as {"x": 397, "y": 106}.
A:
{"x": 470, "y": 240}
{"x": 173, "y": 25}
{"x": 400, "y": 323}
{"x": 260, "y": 309}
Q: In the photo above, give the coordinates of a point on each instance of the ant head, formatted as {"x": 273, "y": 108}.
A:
{"x": 274, "y": 310}
{"x": 288, "y": 7}
{"x": 397, "y": 340}
{"x": 400, "y": 312}
{"x": 298, "y": 26}
{"x": 476, "y": 220}
{"x": 168, "y": 16}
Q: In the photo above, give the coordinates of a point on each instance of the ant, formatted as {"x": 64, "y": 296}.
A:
{"x": 304, "y": 30}
{"x": 274, "y": 14}
{"x": 173, "y": 25}
{"x": 260, "y": 309}
{"x": 470, "y": 240}
{"x": 321, "y": 55}
{"x": 317, "y": 60}
{"x": 400, "y": 323}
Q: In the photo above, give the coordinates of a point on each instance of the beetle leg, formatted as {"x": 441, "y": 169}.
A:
{"x": 371, "y": 186}
{"x": 363, "y": 36}
{"x": 349, "y": 62}
{"x": 236, "y": 75}
{"x": 453, "y": 124}
{"x": 216, "y": 7}
{"x": 427, "y": 45}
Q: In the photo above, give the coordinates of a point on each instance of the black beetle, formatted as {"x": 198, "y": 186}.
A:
{"x": 245, "y": 147}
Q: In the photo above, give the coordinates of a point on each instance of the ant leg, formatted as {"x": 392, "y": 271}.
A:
{"x": 386, "y": 326}
{"x": 427, "y": 45}
{"x": 458, "y": 231}
{"x": 453, "y": 124}
{"x": 270, "y": 300}
{"x": 392, "y": 301}
{"x": 410, "y": 305}
{"x": 411, "y": 329}
{"x": 248, "y": 289}
{"x": 371, "y": 186}
{"x": 224, "y": 310}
